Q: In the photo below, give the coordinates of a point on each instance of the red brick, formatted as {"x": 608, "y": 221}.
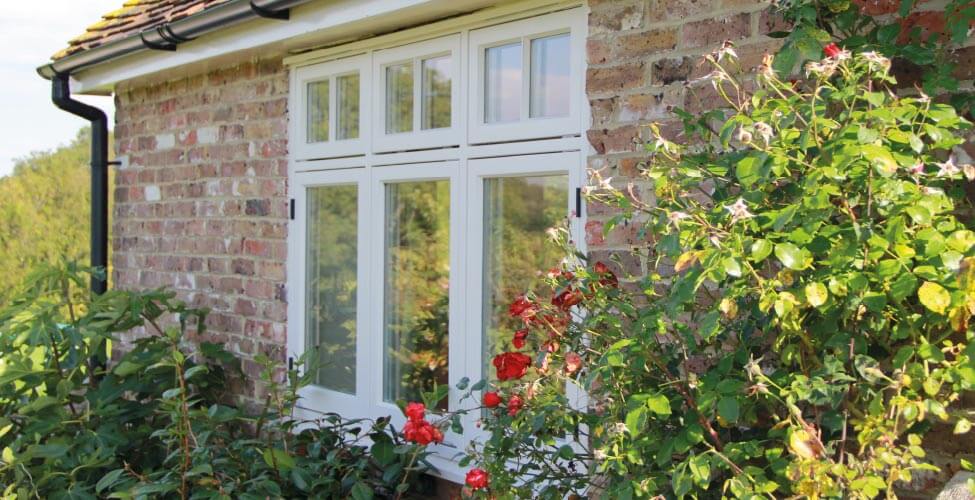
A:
{"x": 711, "y": 32}
{"x": 615, "y": 78}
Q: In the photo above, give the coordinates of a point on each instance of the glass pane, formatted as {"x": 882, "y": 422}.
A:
{"x": 550, "y": 76}
{"x": 347, "y": 116}
{"x": 517, "y": 212}
{"x": 417, "y": 272}
{"x": 317, "y": 112}
{"x": 436, "y": 93}
{"x": 502, "y": 83}
{"x": 399, "y": 98}
{"x": 330, "y": 284}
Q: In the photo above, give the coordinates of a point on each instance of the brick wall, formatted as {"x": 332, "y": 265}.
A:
{"x": 643, "y": 58}
{"x": 201, "y": 200}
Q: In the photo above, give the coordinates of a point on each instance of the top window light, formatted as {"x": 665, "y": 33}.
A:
{"x": 418, "y": 94}
{"x": 332, "y": 104}
{"x": 526, "y": 77}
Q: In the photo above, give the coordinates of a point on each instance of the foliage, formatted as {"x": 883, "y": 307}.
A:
{"x": 920, "y": 43}
{"x": 156, "y": 423}
{"x": 44, "y": 211}
{"x": 805, "y": 322}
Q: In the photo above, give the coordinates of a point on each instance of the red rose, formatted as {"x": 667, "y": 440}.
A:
{"x": 422, "y": 432}
{"x": 477, "y": 479}
{"x": 831, "y": 50}
{"x": 522, "y": 307}
{"x": 491, "y": 399}
{"x": 515, "y": 404}
{"x": 519, "y": 339}
{"x": 415, "y": 411}
{"x": 511, "y": 365}
{"x": 573, "y": 362}
{"x": 568, "y": 298}
{"x": 606, "y": 277}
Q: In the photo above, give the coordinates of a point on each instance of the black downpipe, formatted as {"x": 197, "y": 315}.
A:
{"x": 61, "y": 96}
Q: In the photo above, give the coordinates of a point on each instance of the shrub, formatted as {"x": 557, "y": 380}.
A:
{"x": 156, "y": 423}
{"x": 805, "y": 319}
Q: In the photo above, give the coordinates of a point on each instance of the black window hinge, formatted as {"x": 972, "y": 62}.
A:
{"x": 292, "y": 209}
{"x": 578, "y": 202}
{"x": 291, "y": 363}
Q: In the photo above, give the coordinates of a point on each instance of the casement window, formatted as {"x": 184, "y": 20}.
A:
{"x": 410, "y": 239}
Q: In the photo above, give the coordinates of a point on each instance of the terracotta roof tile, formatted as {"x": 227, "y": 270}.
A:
{"x": 133, "y": 17}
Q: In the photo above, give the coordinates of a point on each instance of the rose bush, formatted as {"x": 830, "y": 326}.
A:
{"x": 805, "y": 321}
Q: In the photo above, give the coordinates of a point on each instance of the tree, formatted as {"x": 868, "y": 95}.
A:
{"x": 44, "y": 211}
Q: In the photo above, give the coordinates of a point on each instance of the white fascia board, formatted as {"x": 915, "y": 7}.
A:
{"x": 311, "y": 25}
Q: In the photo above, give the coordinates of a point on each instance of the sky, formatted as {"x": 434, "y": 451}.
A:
{"x": 30, "y": 31}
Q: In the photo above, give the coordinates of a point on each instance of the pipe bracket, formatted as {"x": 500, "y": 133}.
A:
{"x": 280, "y": 15}
{"x": 165, "y": 45}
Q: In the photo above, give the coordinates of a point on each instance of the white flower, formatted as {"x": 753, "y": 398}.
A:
{"x": 599, "y": 454}
{"x": 842, "y": 55}
{"x": 931, "y": 191}
{"x": 969, "y": 171}
{"x": 918, "y": 169}
{"x": 676, "y": 216}
{"x": 727, "y": 50}
{"x": 948, "y": 168}
{"x": 552, "y": 233}
{"x": 663, "y": 145}
{"x": 738, "y": 210}
{"x": 876, "y": 61}
{"x": 824, "y": 68}
{"x": 744, "y": 135}
{"x": 765, "y": 69}
{"x": 764, "y": 130}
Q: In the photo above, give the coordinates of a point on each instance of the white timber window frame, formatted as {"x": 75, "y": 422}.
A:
{"x": 466, "y": 154}
{"x": 305, "y": 148}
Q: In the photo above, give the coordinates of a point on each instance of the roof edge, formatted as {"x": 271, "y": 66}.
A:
{"x": 168, "y": 36}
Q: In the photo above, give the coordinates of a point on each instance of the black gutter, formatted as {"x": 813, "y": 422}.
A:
{"x": 61, "y": 96}
{"x": 167, "y": 36}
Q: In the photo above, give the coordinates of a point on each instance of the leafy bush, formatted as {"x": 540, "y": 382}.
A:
{"x": 806, "y": 319}
{"x": 156, "y": 423}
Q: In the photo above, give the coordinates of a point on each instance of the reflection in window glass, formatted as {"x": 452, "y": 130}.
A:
{"x": 502, "y": 83}
{"x": 417, "y": 272}
{"x": 330, "y": 284}
{"x": 436, "y": 93}
{"x": 399, "y": 98}
{"x": 550, "y": 76}
{"x": 347, "y": 113}
{"x": 317, "y": 112}
{"x": 517, "y": 212}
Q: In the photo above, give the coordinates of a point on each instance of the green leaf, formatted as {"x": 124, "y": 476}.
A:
{"x": 934, "y": 297}
{"x": 278, "y": 456}
{"x": 732, "y": 267}
{"x": 361, "y": 491}
{"x": 792, "y": 256}
{"x": 728, "y": 409}
{"x": 382, "y": 451}
{"x": 760, "y": 250}
{"x": 816, "y": 294}
{"x": 108, "y": 480}
{"x": 636, "y": 420}
{"x": 903, "y": 286}
{"x": 659, "y": 404}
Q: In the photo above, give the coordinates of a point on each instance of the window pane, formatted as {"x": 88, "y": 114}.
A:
{"x": 399, "y": 98}
{"x": 330, "y": 284}
{"x": 502, "y": 83}
{"x": 550, "y": 76}
{"x": 317, "y": 112}
{"x": 417, "y": 272}
{"x": 347, "y": 116}
{"x": 517, "y": 212}
{"x": 436, "y": 92}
